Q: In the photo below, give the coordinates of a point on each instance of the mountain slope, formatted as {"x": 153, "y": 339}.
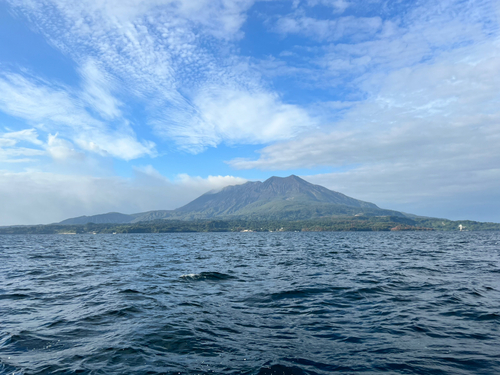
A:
{"x": 109, "y": 218}
{"x": 290, "y": 198}
{"x": 276, "y": 198}
{"x": 232, "y": 199}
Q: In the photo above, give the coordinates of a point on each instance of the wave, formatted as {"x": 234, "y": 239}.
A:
{"x": 209, "y": 276}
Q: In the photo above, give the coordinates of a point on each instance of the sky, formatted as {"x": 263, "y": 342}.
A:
{"x": 137, "y": 105}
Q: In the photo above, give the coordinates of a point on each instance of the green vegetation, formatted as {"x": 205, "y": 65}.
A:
{"x": 449, "y": 225}
{"x": 347, "y": 223}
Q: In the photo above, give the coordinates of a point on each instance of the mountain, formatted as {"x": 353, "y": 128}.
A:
{"x": 289, "y": 198}
{"x": 277, "y": 198}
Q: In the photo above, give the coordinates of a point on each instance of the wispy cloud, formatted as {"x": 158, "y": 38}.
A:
{"x": 359, "y": 28}
{"x": 348, "y": 49}
{"x": 233, "y": 116}
{"x": 53, "y": 108}
{"x": 12, "y": 152}
{"x": 26, "y": 135}
{"x": 97, "y": 92}
{"x": 170, "y": 54}
{"x": 339, "y": 6}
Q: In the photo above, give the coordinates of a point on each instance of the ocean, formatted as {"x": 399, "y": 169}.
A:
{"x": 251, "y": 303}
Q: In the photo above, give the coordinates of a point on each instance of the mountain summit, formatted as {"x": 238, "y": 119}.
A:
{"x": 269, "y": 196}
{"x": 277, "y": 198}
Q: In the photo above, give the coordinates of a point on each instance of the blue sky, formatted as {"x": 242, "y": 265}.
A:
{"x": 135, "y": 105}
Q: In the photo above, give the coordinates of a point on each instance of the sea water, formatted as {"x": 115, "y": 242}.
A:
{"x": 251, "y": 303}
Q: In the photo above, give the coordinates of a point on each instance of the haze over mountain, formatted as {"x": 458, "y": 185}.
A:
{"x": 290, "y": 198}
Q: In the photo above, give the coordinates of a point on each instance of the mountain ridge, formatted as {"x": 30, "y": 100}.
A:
{"x": 283, "y": 198}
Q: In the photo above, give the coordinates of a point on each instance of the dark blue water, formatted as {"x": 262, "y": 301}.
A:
{"x": 251, "y": 303}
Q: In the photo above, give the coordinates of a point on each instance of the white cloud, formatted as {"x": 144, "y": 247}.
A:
{"x": 204, "y": 185}
{"x": 398, "y": 35}
{"x": 60, "y": 149}
{"x": 26, "y": 135}
{"x": 11, "y": 152}
{"x": 234, "y": 116}
{"x": 120, "y": 142}
{"x": 52, "y": 108}
{"x": 37, "y": 101}
{"x": 429, "y": 131}
{"x": 397, "y": 46}
{"x": 96, "y": 92}
{"x": 220, "y": 18}
{"x": 34, "y": 197}
{"x": 170, "y": 55}
{"x": 154, "y": 45}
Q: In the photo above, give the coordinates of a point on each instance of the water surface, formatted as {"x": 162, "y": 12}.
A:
{"x": 251, "y": 303}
